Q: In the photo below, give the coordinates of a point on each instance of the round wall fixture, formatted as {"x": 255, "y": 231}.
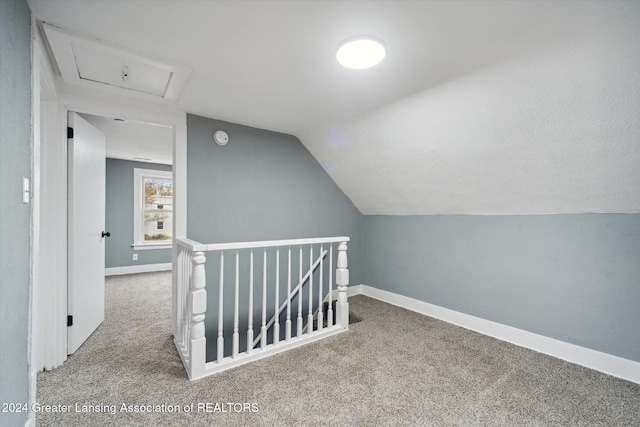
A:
{"x": 220, "y": 137}
{"x": 360, "y": 52}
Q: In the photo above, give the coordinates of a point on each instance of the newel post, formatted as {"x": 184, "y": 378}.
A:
{"x": 342, "y": 281}
{"x": 197, "y": 310}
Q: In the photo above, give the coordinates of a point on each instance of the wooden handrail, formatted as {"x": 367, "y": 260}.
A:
{"x": 204, "y": 247}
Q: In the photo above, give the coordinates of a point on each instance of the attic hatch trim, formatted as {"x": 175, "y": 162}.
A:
{"x": 62, "y": 43}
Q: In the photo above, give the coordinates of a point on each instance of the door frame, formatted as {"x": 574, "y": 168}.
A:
{"x": 64, "y": 98}
{"x": 48, "y": 250}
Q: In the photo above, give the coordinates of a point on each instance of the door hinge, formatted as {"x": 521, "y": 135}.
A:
{"x": 69, "y": 321}
{"x": 69, "y": 132}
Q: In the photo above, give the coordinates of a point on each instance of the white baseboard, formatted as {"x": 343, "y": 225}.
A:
{"x": 142, "y": 268}
{"x": 603, "y": 362}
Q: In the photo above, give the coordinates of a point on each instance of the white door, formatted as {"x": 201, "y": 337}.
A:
{"x": 86, "y": 224}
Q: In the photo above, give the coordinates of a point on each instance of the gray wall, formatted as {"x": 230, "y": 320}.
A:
{"x": 15, "y": 163}
{"x": 119, "y": 216}
{"x": 261, "y": 186}
{"x": 575, "y": 278}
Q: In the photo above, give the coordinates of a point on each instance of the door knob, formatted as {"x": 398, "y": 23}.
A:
{"x": 106, "y": 234}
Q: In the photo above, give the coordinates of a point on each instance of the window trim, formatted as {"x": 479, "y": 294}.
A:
{"x": 138, "y": 201}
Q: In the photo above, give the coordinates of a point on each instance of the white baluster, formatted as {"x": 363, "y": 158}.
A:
{"x": 186, "y": 285}
{"x": 184, "y": 299}
{"x": 185, "y": 311}
{"x": 198, "y": 308}
{"x": 175, "y": 298}
{"x": 310, "y": 313}
{"x": 320, "y": 296}
{"x": 330, "y": 309}
{"x": 263, "y": 329}
{"x": 299, "y": 320}
{"x": 342, "y": 281}
{"x": 276, "y": 324}
{"x": 236, "y": 335}
{"x": 184, "y": 292}
{"x": 184, "y": 296}
{"x": 177, "y": 326}
{"x": 220, "y": 342}
{"x": 288, "y": 322}
{"x": 250, "y": 327}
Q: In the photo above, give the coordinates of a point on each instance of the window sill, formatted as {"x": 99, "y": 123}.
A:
{"x": 148, "y": 246}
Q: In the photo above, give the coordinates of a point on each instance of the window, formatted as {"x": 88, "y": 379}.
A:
{"x": 153, "y": 209}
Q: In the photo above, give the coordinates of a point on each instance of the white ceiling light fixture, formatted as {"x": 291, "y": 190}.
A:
{"x": 359, "y": 53}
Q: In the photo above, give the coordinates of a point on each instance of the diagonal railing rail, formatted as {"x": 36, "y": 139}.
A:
{"x": 287, "y": 302}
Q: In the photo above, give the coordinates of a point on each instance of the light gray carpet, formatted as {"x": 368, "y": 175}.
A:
{"x": 395, "y": 367}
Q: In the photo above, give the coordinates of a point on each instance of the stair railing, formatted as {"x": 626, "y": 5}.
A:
{"x": 190, "y": 309}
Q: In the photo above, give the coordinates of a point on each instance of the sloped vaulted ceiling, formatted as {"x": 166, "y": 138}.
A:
{"x": 479, "y": 108}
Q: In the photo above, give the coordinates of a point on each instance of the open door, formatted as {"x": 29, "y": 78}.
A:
{"x": 86, "y": 222}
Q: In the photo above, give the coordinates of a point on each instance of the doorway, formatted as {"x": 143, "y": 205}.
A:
{"x": 49, "y": 312}
{"x": 107, "y": 204}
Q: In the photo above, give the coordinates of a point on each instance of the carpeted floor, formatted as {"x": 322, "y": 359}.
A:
{"x": 395, "y": 367}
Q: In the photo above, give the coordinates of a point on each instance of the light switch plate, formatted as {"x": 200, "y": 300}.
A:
{"x": 25, "y": 190}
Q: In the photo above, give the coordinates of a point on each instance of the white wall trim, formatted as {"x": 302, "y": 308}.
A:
{"x": 34, "y": 195}
{"x": 99, "y": 104}
{"x": 603, "y": 362}
{"x": 179, "y": 209}
{"x": 46, "y": 337}
{"x": 150, "y": 247}
{"x": 143, "y": 268}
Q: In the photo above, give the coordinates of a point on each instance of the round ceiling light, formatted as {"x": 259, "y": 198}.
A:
{"x": 360, "y": 52}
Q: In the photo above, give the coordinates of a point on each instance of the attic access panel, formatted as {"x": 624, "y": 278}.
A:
{"x": 91, "y": 63}
{"x": 116, "y": 71}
